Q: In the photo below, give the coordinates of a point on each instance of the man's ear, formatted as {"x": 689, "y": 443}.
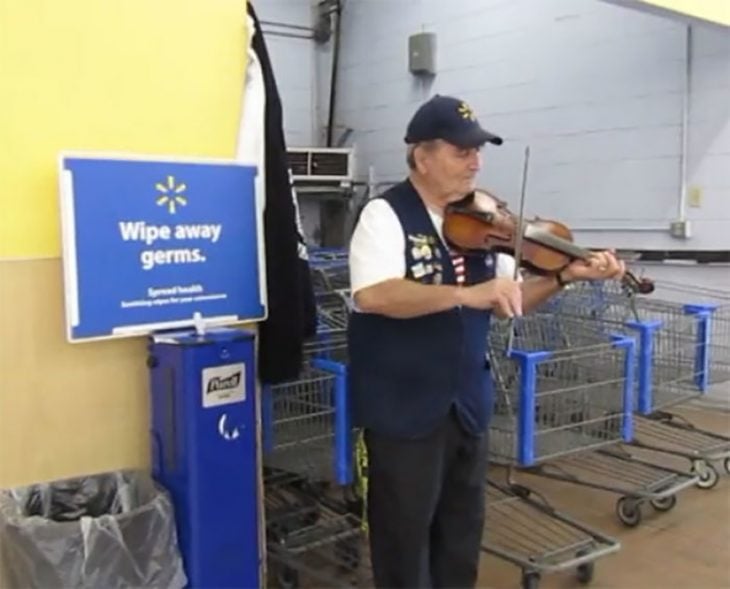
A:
{"x": 420, "y": 155}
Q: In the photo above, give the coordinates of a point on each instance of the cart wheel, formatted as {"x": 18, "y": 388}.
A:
{"x": 585, "y": 573}
{"x": 707, "y": 473}
{"x": 520, "y": 490}
{"x": 530, "y": 580}
{"x": 665, "y": 503}
{"x": 287, "y": 578}
{"x": 726, "y": 464}
{"x": 347, "y": 553}
{"x": 628, "y": 510}
{"x": 310, "y": 516}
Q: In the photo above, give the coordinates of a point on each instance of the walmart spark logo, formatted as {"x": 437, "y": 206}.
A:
{"x": 171, "y": 195}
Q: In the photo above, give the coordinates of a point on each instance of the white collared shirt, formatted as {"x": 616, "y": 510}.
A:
{"x": 378, "y": 243}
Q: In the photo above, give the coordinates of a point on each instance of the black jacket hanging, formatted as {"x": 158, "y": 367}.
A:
{"x": 291, "y": 304}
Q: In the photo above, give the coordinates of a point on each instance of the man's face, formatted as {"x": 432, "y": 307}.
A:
{"x": 450, "y": 170}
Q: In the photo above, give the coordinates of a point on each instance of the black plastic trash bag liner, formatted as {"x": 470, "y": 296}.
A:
{"x": 103, "y": 531}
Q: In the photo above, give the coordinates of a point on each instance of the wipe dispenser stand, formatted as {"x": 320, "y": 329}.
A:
{"x": 204, "y": 450}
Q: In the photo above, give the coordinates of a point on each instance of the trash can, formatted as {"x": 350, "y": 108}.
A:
{"x": 105, "y": 531}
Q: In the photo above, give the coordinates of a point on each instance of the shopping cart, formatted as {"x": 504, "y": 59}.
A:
{"x": 323, "y": 255}
{"x": 330, "y": 341}
{"x": 313, "y": 529}
{"x": 331, "y": 282}
{"x": 330, "y": 271}
{"x": 305, "y": 424}
{"x": 718, "y": 302}
{"x": 524, "y": 529}
{"x": 719, "y": 354}
{"x": 683, "y": 348}
{"x": 565, "y": 406}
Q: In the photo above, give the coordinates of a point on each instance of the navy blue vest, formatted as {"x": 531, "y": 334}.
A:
{"x": 405, "y": 375}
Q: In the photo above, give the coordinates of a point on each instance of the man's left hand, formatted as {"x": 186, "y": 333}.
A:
{"x": 601, "y": 266}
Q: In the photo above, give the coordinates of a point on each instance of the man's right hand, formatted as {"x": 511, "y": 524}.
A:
{"x": 504, "y": 295}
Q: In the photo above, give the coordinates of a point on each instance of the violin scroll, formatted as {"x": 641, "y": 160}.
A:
{"x": 641, "y": 285}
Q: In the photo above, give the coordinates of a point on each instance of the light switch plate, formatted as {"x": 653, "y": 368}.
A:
{"x": 694, "y": 196}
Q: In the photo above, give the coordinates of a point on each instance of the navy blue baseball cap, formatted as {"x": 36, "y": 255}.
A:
{"x": 450, "y": 119}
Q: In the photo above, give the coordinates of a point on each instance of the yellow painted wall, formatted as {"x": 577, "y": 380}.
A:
{"x": 155, "y": 77}
{"x": 64, "y": 409}
{"x": 715, "y": 11}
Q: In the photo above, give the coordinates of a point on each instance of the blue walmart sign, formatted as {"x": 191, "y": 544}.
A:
{"x": 152, "y": 244}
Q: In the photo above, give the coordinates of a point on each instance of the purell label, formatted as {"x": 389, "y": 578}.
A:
{"x": 223, "y": 385}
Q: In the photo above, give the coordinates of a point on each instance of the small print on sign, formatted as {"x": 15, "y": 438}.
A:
{"x": 223, "y": 385}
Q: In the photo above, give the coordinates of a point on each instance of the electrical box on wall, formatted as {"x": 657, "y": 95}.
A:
{"x": 680, "y": 229}
{"x": 422, "y": 54}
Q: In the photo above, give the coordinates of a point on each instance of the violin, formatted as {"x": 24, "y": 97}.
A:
{"x": 483, "y": 222}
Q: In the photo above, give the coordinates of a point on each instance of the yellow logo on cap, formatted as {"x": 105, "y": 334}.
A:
{"x": 466, "y": 112}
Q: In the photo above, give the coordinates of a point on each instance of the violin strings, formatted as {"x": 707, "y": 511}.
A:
{"x": 554, "y": 242}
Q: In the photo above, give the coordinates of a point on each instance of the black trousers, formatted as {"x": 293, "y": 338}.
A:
{"x": 426, "y": 507}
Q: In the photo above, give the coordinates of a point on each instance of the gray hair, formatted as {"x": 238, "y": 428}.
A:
{"x": 410, "y": 152}
{"x": 410, "y": 159}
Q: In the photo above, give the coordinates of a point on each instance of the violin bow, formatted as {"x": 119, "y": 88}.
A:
{"x": 519, "y": 240}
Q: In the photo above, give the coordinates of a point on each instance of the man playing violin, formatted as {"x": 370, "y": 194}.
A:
{"x": 419, "y": 379}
